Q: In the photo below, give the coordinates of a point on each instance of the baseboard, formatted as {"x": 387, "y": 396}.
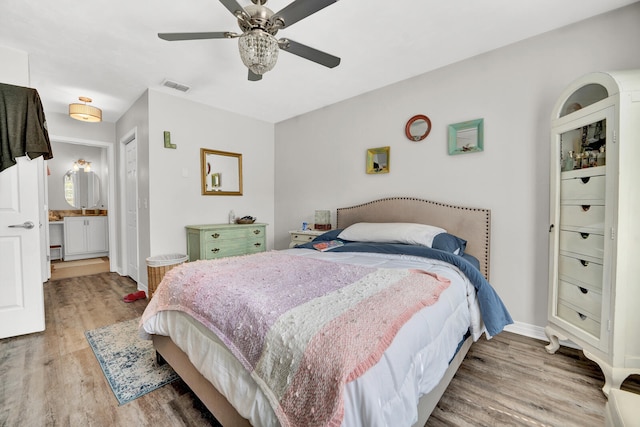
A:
{"x": 536, "y": 332}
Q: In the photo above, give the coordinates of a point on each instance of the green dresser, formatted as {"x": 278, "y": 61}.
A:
{"x": 210, "y": 241}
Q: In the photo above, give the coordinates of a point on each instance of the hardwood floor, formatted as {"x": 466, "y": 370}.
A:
{"x": 53, "y": 379}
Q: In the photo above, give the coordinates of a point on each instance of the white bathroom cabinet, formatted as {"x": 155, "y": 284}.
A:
{"x": 85, "y": 237}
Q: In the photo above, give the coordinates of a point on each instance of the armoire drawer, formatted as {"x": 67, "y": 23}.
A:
{"x": 583, "y": 217}
{"x": 588, "y": 190}
{"x": 587, "y": 302}
{"x": 579, "y": 320}
{"x": 576, "y": 270}
{"x": 587, "y": 244}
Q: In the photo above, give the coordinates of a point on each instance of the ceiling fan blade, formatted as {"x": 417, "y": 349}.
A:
{"x": 195, "y": 36}
{"x": 309, "y": 53}
{"x": 298, "y": 10}
{"x": 233, "y": 7}
{"x": 253, "y": 77}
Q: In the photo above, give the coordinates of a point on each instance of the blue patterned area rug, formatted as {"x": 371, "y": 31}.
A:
{"x": 128, "y": 361}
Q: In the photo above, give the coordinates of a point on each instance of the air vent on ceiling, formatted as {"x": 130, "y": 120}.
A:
{"x": 175, "y": 85}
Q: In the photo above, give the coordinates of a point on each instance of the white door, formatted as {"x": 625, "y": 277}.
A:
{"x": 131, "y": 188}
{"x": 21, "y": 294}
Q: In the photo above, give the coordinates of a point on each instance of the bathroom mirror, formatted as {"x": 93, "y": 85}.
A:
{"x": 82, "y": 189}
{"x": 418, "y": 128}
{"x": 221, "y": 173}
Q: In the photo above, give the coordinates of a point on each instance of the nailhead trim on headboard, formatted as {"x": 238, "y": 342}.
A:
{"x": 472, "y": 224}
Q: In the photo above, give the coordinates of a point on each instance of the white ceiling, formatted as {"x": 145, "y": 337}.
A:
{"x": 109, "y": 50}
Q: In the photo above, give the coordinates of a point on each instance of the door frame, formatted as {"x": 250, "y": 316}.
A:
{"x": 111, "y": 193}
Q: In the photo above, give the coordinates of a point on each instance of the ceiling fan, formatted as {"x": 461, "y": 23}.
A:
{"x": 259, "y": 24}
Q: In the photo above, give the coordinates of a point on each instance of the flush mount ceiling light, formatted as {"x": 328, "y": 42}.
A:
{"x": 257, "y": 42}
{"x": 84, "y": 112}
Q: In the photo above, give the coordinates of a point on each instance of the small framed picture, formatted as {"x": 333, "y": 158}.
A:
{"x": 466, "y": 137}
{"x": 378, "y": 160}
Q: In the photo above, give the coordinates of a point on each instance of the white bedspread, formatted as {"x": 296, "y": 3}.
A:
{"x": 387, "y": 394}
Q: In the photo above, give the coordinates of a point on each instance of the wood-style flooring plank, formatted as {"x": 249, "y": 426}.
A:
{"x": 52, "y": 378}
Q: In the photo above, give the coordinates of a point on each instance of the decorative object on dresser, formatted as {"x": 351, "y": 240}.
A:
{"x": 417, "y": 128}
{"x": 303, "y": 236}
{"x": 466, "y": 137}
{"x": 378, "y": 160}
{"x": 211, "y": 241}
{"x": 221, "y": 173}
{"x": 594, "y": 231}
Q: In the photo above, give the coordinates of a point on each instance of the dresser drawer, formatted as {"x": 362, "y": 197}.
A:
{"x": 586, "y": 301}
{"x": 255, "y": 245}
{"x": 224, "y": 234}
{"x": 583, "y": 218}
{"x": 587, "y": 244}
{"x": 575, "y": 270}
{"x": 224, "y": 248}
{"x": 579, "y": 320}
{"x": 587, "y": 190}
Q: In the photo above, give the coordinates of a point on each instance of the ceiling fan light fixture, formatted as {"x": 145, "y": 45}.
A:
{"x": 258, "y": 50}
{"x": 84, "y": 112}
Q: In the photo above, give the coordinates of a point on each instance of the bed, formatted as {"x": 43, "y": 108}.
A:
{"x": 462, "y": 307}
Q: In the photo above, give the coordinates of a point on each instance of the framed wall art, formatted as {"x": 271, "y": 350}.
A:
{"x": 378, "y": 160}
{"x": 221, "y": 173}
{"x": 466, "y": 137}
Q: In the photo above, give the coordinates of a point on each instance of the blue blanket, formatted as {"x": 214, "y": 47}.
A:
{"x": 494, "y": 313}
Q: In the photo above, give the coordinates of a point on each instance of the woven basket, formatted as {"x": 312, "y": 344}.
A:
{"x": 155, "y": 273}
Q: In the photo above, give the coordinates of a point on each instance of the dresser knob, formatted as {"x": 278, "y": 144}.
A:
{"x": 584, "y": 235}
{"x": 582, "y": 316}
{"x": 583, "y": 290}
{"x": 215, "y": 250}
{"x": 585, "y": 208}
{"x": 257, "y": 245}
{"x": 585, "y": 179}
{"x": 256, "y": 232}
{"x": 584, "y": 263}
{"x": 215, "y": 235}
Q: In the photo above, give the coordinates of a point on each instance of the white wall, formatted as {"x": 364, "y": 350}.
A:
{"x": 320, "y": 156}
{"x": 175, "y": 198}
{"x": 169, "y": 179}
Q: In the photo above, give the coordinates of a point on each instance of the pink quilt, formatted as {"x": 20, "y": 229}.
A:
{"x": 302, "y": 327}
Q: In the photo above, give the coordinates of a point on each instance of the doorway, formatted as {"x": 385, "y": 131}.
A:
{"x": 67, "y": 152}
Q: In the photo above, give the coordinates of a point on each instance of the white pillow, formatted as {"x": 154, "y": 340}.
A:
{"x": 392, "y": 232}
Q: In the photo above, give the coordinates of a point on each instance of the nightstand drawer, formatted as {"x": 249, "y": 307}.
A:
{"x": 299, "y": 237}
{"x": 302, "y": 238}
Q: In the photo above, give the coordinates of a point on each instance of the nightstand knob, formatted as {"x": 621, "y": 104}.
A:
{"x": 256, "y": 232}
{"x": 257, "y": 245}
{"x": 215, "y": 235}
{"x": 215, "y": 250}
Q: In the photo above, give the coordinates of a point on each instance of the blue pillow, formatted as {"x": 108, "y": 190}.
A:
{"x": 449, "y": 243}
{"x": 329, "y": 235}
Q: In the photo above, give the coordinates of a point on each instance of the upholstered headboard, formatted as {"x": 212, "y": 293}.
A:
{"x": 471, "y": 224}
